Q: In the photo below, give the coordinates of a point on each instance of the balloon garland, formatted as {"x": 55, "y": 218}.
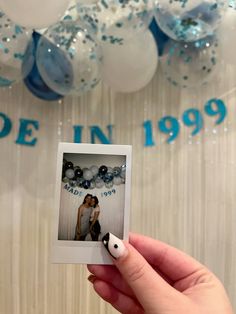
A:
{"x": 119, "y": 42}
{"x": 93, "y": 177}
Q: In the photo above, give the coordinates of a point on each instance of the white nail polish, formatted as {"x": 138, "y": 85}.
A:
{"x": 114, "y": 245}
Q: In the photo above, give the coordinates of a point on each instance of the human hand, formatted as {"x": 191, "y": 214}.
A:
{"x": 152, "y": 277}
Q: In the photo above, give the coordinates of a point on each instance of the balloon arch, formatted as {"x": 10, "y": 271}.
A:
{"x": 67, "y": 47}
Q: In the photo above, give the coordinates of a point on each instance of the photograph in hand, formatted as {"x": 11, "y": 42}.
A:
{"x": 92, "y": 198}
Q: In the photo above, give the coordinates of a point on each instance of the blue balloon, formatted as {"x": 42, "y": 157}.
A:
{"x": 33, "y": 80}
{"x": 86, "y": 184}
{"x": 160, "y": 37}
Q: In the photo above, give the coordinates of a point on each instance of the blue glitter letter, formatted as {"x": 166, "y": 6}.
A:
{"x": 24, "y": 131}
{"x": 97, "y": 132}
{"x": 78, "y": 133}
{"x": 7, "y": 125}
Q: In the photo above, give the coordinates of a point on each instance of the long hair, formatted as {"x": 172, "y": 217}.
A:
{"x": 86, "y": 197}
{"x": 96, "y": 201}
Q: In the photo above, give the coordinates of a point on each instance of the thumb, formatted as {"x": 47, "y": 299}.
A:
{"x": 151, "y": 290}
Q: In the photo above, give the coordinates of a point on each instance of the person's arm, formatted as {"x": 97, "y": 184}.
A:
{"x": 150, "y": 276}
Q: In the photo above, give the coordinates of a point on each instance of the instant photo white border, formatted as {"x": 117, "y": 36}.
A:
{"x": 88, "y": 252}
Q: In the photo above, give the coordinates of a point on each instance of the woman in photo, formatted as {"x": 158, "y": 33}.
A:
{"x": 83, "y": 219}
{"x": 95, "y": 228}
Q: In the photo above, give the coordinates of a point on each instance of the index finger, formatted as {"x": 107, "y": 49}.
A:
{"x": 172, "y": 262}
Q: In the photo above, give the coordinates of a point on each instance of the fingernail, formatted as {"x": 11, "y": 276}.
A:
{"x": 114, "y": 246}
{"x": 91, "y": 278}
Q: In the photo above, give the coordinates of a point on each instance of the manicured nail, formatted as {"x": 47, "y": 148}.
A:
{"x": 91, "y": 278}
{"x": 114, "y": 245}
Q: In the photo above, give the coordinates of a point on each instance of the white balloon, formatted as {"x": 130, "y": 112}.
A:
{"x": 34, "y": 13}
{"x": 13, "y": 44}
{"x": 88, "y": 175}
{"x": 99, "y": 183}
{"x": 131, "y": 66}
{"x": 117, "y": 180}
{"x": 94, "y": 170}
{"x": 70, "y": 173}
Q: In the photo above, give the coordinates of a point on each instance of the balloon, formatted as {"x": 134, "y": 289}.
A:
{"x": 72, "y": 183}
{"x": 109, "y": 19}
{"x": 189, "y": 20}
{"x": 160, "y": 37}
{"x": 65, "y": 180}
{"x": 13, "y": 45}
{"x": 103, "y": 170}
{"x": 99, "y": 183}
{"x": 108, "y": 177}
{"x": 69, "y": 59}
{"x": 109, "y": 184}
{"x": 190, "y": 64}
{"x": 80, "y": 182}
{"x": 33, "y": 80}
{"x": 123, "y": 171}
{"x": 88, "y": 175}
{"x": 117, "y": 180}
{"x": 226, "y": 34}
{"x": 69, "y": 165}
{"x": 34, "y": 13}
{"x": 92, "y": 184}
{"x": 129, "y": 67}
{"x": 71, "y": 13}
{"x": 94, "y": 170}
{"x": 232, "y": 4}
{"x": 116, "y": 171}
{"x": 78, "y": 173}
{"x": 86, "y": 184}
{"x": 70, "y": 173}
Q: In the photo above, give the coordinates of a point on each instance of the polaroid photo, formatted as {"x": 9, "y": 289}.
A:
{"x": 93, "y": 187}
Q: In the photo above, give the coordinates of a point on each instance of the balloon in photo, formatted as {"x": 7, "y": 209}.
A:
{"x": 70, "y": 173}
{"x": 74, "y": 55}
{"x": 33, "y": 13}
{"x": 117, "y": 180}
{"x": 189, "y": 20}
{"x": 130, "y": 66}
{"x": 94, "y": 170}
{"x": 13, "y": 45}
{"x": 88, "y": 175}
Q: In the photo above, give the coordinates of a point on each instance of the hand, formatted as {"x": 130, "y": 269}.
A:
{"x": 152, "y": 277}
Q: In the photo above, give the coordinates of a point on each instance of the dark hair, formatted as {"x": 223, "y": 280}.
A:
{"x": 96, "y": 200}
{"x": 86, "y": 197}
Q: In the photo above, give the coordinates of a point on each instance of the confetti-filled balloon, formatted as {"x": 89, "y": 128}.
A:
{"x": 34, "y": 13}
{"x": 232, "y": 4}
{"x": 74, "y": 55}
{"x": 109, "y": 19}
{"x": 129, "y": 67}
{"x": 116, "y": 171}
{"x": 189, "y": 20}
{"x": 13, "y": 45}
{"x": 190, "y": 64}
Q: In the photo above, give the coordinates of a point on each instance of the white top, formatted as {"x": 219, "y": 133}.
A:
{"x": 95, "y": 210}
